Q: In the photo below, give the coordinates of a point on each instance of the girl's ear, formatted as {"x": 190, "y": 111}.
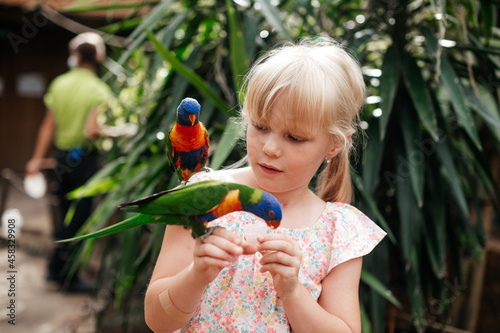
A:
{"x": 337, "y": 148}
{"x": 334, "y": 151}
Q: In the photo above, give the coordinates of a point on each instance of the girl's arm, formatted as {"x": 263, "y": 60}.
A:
{"x": 337, "y": 309}
{"x": 185, "y": 267}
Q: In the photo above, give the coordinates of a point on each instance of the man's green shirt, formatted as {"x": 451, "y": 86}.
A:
{"x": 71, "y": 97}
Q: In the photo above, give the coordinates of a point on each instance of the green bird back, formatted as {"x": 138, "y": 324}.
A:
{"x": 189, "y": 200}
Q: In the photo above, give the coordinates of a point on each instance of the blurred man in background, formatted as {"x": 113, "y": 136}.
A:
{"x": 73, "y": 100}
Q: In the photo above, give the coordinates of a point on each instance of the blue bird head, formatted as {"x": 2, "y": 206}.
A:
{"x": 268, "y": 209}
{"x": 188, "y": 112}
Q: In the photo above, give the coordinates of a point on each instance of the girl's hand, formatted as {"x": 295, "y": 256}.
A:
{"x": 217, "y": 251}
{"x": 281, "y": 256}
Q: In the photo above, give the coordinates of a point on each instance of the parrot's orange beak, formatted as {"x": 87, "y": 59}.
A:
{"x": 192, "y": 117}
{"x": 273, "y": 224}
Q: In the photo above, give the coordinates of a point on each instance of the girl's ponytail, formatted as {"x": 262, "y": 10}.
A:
{"x": 334, "y": 182}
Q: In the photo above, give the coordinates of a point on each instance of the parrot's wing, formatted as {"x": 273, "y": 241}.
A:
{"x": 170, "y": 150}
{"x": 189, "y": 200}
{"x": 173, "y": 152}
{"x": 207, "y": 144}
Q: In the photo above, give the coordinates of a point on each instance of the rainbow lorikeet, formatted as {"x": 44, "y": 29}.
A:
{"x": 194, "y": 205}
{"x": 187, "y": 141}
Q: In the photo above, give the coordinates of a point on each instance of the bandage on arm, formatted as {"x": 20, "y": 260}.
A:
{"x": 171, "y": 310}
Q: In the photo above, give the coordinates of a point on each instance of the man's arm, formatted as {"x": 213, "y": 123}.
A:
{"x": 43, "y": 142}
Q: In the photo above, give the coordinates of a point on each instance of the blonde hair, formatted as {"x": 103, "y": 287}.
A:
{"x": 323, "y": 87}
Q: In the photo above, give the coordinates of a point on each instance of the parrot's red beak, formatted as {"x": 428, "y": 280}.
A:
{"x": 192, "y": 117}
{"x": 273, "y": 224}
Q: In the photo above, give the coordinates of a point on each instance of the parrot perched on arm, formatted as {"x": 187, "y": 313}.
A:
{"x": 187, "y": 141}
{"x": 194, "y": 205}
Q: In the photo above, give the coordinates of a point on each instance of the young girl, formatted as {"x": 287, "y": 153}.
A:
{"x": 301, "y": 107}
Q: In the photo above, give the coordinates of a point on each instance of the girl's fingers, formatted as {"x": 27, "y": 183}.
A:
{"x": 249, "y": 248}
{"x": 279, "y": 249}
{"x": 218, "y": 250}
{"x": 221, "y": 244}
{"x": 278, "y": 242}
{"x": 213, "y": 251}
{"x": 277, "y": 257}
{"x": 214, "y": 262}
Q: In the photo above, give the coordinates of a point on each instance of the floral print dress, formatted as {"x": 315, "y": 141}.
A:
{"x": 242, "y": 299}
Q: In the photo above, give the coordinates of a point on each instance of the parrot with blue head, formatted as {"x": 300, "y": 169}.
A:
{"x": 194, "y": 205}
{"x": 187, "y": 142}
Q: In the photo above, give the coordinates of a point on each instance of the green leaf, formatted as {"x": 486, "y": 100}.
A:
{"x": 250, "y": 30}
{"x": 377, "y": 264}
{"x": 366, "y": 326}
{"x": 415, "y": 293}
{"x": 188, "y": 73}
{"x": 490, "y": 114}
{"x": 379, "y": 287}
{"x": 479, "y": 166}
{"x": 157, "y": 233}
{"x": 435, "y": 224}
{"x": 230, "y": 137}
{"x": 491, "y": 53}
{"x": 372, "y": 206}
{"x": 451, "y": 82}
{"x": 452, "y": 175}
{"x": 414, "y": 159}
{"x": 420, "y": 96}
{"x": 410, "y": 216}
{"x": 239, "y": 61}
{"x": 486, "y": 107}
{"x": 138, "y": 36}
{"x": 360, "y": 43}
{"x": 152, "y": 19}
{"x": 464, "y": 115}
{"x": 389, "y": 81}
{"x": 177, "y": 93}
{"x": 111, "y": 7}
{"x": 93, "y": 188}
{"x": 207, "y": 111}
{"x": 372, "y": 157}
{"x": 101, "y": 182}
{"x": 273, "y": 17}
{"x": 122, "y": 25}
{"x": 487, "y": 15}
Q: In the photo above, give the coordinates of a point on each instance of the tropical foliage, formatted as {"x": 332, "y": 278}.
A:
{"x": 431, "y": 119}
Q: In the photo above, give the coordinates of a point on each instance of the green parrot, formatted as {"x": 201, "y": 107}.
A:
{"x": 194, "y": 205}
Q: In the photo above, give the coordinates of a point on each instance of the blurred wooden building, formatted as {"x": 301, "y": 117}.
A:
{"x": 33, "y": 51}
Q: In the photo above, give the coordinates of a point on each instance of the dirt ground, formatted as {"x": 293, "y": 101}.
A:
{"x": 36, "y": 306}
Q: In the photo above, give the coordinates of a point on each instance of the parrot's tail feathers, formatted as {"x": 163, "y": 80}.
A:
{"x": 142, "y": 201}
{"x": 120, "y": 226}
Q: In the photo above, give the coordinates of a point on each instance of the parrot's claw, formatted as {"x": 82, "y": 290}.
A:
{"x": 209, "y": 231}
